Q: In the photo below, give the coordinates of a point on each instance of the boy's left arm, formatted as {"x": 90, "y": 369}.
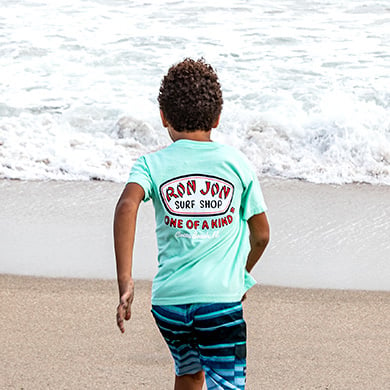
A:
{"x": 258, "y": 238}
{"x": 125, "y": 219}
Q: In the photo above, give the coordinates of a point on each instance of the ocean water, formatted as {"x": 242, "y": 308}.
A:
{"x": 306, "y": 84}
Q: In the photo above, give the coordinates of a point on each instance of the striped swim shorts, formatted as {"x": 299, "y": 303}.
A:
{"x": 209, "y": 337}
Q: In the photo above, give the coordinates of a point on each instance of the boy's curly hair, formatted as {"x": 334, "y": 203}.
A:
{"x": 190, "y": 96}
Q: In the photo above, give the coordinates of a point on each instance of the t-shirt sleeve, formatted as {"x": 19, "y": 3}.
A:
{"x": 140, "y": 174}
{"x": 252, "y": 202}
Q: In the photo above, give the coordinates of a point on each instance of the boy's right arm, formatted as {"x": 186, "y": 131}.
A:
{"x": 125, "y": 219}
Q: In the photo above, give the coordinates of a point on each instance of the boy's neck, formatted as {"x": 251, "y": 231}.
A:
{"x": 197, "y": 135}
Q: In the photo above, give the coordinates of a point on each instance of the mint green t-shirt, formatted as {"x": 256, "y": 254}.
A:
{"x": 203, "y": 194}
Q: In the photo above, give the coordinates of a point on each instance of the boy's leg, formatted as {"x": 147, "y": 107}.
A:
{"x": 221, "y": 334}
{"x": 176, "y": 326}
{"x": 189, "y": 381}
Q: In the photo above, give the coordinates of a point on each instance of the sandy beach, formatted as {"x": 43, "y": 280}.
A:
{"x": 58, "y": 293}
{"x": 61, "y": 334}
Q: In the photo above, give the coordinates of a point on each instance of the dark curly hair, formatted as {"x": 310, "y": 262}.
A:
{"x": 190, "y": 96}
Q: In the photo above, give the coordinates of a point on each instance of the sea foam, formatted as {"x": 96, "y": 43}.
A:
{"x": 305, "y": 89}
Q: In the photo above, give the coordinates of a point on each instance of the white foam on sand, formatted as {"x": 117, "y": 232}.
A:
{"x": 322, "y": 236}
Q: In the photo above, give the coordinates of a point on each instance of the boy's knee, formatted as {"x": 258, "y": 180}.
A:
{"x": 198, "y": 376}
{"x": 195, "y": 379}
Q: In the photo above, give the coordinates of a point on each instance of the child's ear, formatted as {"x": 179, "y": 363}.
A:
{"x": 163, "y": 120}
{"x": 216, "y": 123}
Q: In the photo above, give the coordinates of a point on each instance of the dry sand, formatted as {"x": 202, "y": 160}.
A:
{"x": 61, "y": 334}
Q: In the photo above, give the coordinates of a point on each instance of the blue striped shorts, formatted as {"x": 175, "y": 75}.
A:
{"x": 209, "y": 337}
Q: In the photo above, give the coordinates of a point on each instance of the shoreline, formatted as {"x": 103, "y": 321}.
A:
{"x": 322, "y": 236}
{"x": 83, "y": 280}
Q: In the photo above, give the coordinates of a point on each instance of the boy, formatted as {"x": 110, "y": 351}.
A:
{"x": 205, "y": 197}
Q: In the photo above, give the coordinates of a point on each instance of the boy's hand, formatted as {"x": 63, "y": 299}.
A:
{"x": 123, "y": 311}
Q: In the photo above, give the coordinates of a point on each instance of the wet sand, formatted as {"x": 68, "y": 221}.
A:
{"x": 322, "y": 236}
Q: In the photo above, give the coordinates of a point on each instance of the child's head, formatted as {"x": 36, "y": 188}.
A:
{"x": 190, "y": 96}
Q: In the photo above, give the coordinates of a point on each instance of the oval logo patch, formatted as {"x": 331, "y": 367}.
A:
{"x": 197, "y": 195}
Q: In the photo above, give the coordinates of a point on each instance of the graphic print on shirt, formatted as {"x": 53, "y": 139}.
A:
{"x": 197, "y": 195}
{"x": 198, "y": 203}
